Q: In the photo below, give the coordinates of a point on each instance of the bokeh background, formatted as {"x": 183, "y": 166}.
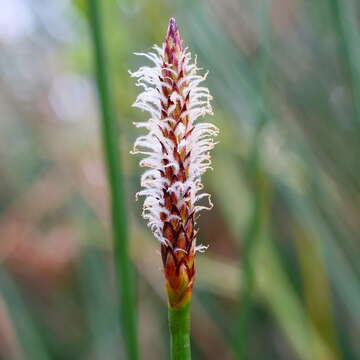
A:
{"x": 281, "y": 278}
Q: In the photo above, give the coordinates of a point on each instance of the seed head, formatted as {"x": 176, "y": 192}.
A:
{"x": 176, "y": 150}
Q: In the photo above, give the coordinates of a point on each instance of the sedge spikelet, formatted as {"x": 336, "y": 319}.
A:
{"x": 176, "y": 149}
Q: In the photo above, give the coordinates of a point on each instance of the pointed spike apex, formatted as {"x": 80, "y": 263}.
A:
{"x": 172, "y": 28}
{"x": 173, "y": 43}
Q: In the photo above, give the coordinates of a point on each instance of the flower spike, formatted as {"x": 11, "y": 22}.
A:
{"x": 176, "y": 149}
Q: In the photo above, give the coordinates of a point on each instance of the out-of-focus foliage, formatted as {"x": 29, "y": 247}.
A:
{"x": 281, "y": 277}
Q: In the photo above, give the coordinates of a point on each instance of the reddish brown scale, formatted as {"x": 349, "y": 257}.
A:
{"x": 189, "y": 227}
{"x": 184, "y": 213}
{"x": 163, "y": 114}
{"x": 182, "y": 173}
{"x": 163, "y": 148}
{"x": 172, "y": 137}
{"x": 173, "y": 199}
{"x": 164, "y": 131}
{"x": 181, "y": 243}
{"x": 182, "y": 154}
{"x": 184, "y": 107}
{"x": 174, "y": 179}
{"x": 169, "y": 232}
{"x": 187, "y": 155}
{"x": 177, "y": 123}
{"x": 167, "y": 201}
{"x": 188, "y": 133}
{"x": 175, "y": 211}
{"x": 176, "y": 155}
{"x": 176, "y": 226}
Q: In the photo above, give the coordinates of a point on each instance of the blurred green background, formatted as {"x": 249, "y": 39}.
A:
{"x": 280, "y": 279}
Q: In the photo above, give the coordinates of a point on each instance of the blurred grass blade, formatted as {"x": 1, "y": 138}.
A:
{"x": 344, "y": 13}
{"x": 94, "y": 282}
{"x": 260, "y": 192}
{"x": 112, "y": 158}
{"x": 247, "y": 272}
{"x": 28, "y": 333}
{"x": 286, "y": 306}
{"x": 317, "y": 292}
{"x": 272, "y": 285}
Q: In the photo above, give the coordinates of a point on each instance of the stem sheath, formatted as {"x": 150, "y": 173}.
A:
{"x": 179, "y": 326}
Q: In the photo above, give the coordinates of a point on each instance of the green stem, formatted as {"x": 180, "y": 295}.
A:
{"x": 113, "y": 166}
{"x": 179, "y": 326}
